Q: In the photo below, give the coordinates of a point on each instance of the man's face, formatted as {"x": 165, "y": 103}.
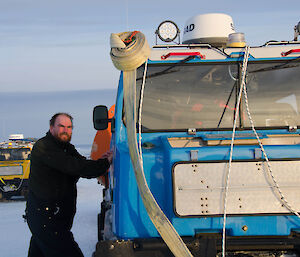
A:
{"x": 62, "y": 129}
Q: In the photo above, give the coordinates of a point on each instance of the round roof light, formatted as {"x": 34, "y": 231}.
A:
{"x": 167, "y": 31}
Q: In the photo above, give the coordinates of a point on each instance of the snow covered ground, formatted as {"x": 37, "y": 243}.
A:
{"x": 15, "y": 235}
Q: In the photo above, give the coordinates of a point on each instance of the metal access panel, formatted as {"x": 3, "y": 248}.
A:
{"x": 199, "y": 188}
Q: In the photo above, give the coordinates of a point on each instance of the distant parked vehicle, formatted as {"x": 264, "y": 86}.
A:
{"x": 15, "y": 166}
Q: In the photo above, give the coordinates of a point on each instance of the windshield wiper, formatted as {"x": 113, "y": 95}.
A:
{"x": 279, "y": 66}
{"x": 167, "y": 70}
{"x": 226, "y": 105}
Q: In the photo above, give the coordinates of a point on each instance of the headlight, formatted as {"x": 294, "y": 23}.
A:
{"x": 167, "y": 31}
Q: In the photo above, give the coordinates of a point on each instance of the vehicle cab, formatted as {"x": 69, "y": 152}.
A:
{"x": 212, "y": 149}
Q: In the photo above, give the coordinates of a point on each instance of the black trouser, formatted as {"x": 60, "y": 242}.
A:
{"x": 50, "y": 225}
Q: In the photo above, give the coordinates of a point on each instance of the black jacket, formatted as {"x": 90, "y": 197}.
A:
{"x": 56, "y": 167}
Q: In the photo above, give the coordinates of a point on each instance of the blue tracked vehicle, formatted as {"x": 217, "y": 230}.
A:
{"x": 222, "y": 163}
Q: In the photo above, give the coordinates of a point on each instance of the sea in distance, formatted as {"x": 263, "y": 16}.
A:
{"x": 28, "y": 113}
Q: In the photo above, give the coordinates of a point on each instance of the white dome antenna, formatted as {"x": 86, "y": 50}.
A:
{"x": 211, "y": 28}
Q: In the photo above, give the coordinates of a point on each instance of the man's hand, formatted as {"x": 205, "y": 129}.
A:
{"x": 108, "y": 155}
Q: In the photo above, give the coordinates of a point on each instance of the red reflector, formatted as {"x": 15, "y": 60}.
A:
{"x": 163, "y": 57}
{"x": 290, "y": 52}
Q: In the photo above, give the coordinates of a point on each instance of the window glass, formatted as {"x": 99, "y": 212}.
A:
{"x": 203, "y": 96}
{"x": 13, "y": 154}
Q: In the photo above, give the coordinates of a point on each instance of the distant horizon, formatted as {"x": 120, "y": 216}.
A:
{"x": 56, "y": 91}
{"x": 28, "y": 113}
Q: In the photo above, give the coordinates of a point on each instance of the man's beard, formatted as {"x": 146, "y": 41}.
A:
{"x": 64, "y": 137}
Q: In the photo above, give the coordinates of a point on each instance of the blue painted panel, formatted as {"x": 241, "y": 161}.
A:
{"x": 131, "y": 218}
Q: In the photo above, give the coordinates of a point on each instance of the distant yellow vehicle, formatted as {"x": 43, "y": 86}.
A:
{"x": 15, "y": 166}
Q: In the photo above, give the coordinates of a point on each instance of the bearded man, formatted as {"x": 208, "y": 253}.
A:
{"x": 56, "y": 167}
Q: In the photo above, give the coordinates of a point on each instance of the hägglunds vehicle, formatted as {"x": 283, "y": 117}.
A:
{"x": 15, "y": 166}
{"x": 206, "y": 145}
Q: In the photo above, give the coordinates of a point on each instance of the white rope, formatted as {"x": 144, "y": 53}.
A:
{"x": 281, "y": 197}
{"x": 244, "y": 69}
{"x": 23, "y": 177}
{"x": 140, "y": 112}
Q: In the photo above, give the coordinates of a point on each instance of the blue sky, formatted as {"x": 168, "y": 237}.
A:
{"x": 64, "y": 44}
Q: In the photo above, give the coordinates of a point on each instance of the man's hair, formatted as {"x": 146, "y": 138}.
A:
{"x": 53, "y": 119}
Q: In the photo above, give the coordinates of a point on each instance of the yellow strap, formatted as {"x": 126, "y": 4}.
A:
{"x": 2, "y": 181}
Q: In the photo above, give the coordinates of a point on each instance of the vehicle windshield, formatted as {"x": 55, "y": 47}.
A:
{"x": 204, "y": 96}
{"x": 14, "y": 154}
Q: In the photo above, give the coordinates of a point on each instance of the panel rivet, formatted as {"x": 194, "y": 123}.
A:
{"x": 245, "y": 228}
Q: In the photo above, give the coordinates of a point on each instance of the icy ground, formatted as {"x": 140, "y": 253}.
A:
{"x": 15, "y": 235}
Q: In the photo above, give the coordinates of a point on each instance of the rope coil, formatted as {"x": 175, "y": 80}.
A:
{"x": 128, "y": 57}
